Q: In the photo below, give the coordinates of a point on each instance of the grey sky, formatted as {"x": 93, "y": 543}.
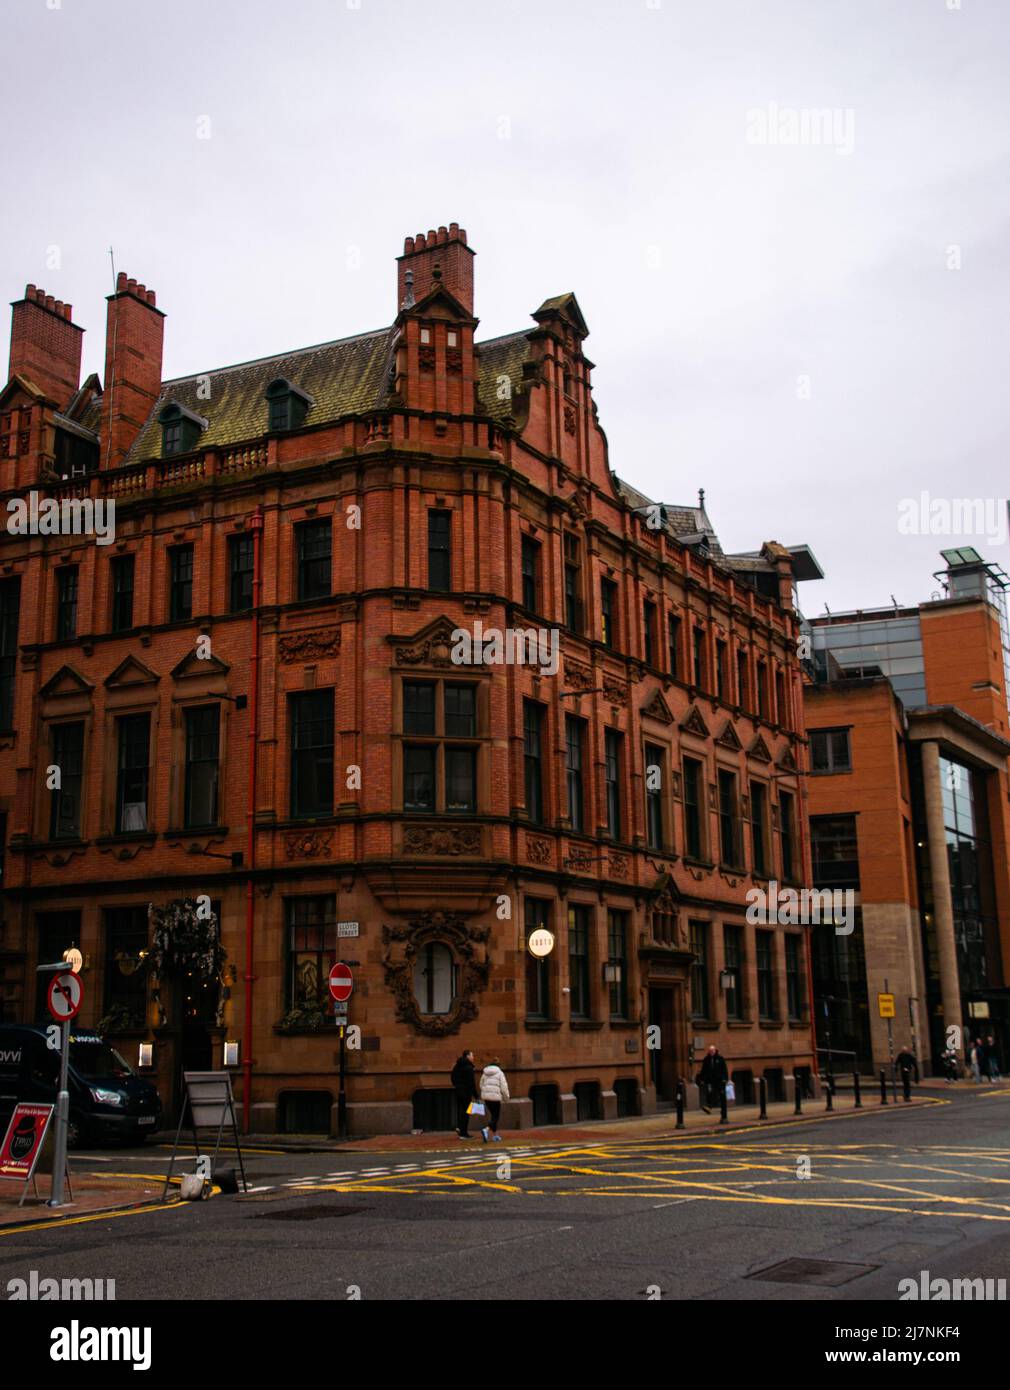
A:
{"x": 602, "y": 146}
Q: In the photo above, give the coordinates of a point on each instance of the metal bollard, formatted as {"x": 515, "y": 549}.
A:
{"x": 829, "y": 1092}
{"x": 856, "y": 1091}
{"x": 883, "y": 1086}
{"x": 798, "y": 1095}
{"x": 723, "y": 1112}
{"x": 680, "y": 1104}
{"x": 906, "y": 1084}
{"x": 763, "y": 1099}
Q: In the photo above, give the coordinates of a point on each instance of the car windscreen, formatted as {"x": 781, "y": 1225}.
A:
{"x": 94, "y": 1059}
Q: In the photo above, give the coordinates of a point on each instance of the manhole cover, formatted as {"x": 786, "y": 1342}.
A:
{"x": 313, "y": 1213}
{"x": 826, "y": 1272}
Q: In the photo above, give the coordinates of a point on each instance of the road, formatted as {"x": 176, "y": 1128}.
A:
{"x": 871, "y": 1199}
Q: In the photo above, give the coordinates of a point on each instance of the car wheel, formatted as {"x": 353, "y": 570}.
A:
{"x": 75, "y": 1136}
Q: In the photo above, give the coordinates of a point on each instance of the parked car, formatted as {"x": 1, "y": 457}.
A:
{"x": 108, "y": 1100}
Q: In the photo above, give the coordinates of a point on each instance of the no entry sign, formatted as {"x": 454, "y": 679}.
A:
{"x": 341, "y": 983}
{"x": 65, "y": 994}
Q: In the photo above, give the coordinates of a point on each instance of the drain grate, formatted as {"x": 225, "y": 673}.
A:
{"x": 319, "y": 1212}
{"x": 830, "y": 1273}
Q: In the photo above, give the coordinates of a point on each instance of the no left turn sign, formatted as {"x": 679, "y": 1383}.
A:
{"x": 65, "y": 995}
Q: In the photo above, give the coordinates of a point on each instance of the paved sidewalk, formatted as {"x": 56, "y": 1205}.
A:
{"x": 93, "y": 1193}
{"x": 655, "y": 1126}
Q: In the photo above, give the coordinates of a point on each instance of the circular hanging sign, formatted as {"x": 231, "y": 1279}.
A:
{"x": 541, "y": 942}
{"x": 74, "y": 959}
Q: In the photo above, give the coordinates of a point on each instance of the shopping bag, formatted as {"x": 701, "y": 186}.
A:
{"x": 476, "y": 1107}
{"x": 730, "y": 1091}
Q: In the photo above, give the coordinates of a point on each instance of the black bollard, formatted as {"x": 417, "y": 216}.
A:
{"x": 763, "y": 1099}
{"x": 856, "y": 1091}
{"x": 906, "y": 1084}
{"x": 680, "y": 1104}
{"x": 798, "y": 1095}
{"x": 883, "y": 1086}
{"x": 829, "y": 1091}
{"x": 723, "y": 1112}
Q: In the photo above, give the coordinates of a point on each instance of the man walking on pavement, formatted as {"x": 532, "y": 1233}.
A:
{"x": 464, "y": 1083}
{"x": 713, "y": 1076}
{"x": 906, "y": 1060}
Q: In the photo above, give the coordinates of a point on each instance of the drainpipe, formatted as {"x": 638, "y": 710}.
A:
{"x": 256, "y": 526}
{"x": 801, "y": 788}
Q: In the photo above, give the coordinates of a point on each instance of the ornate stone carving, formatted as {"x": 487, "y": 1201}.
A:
{"x": 615, "y": 691}
{"x": 308, "y": 844}
{"x": 759, "y": 750}
{"x": 426, "y": 359}
{"x": 729, "y": 738}
{"x": 569, "y": 419}
{"x": 657, "y": 708}
{"x": 432, "y": 646}
{"x": 538, "y": 851}
{"x": 309, "y": 646}
{"x": 453, "y": 361}
{"x": 442, "y": 839}
{"x": 618, "y": 864}
{"x": 468, "y": 944}
{"x": 579, "y": 677}
{"x": 786, "y": 760}
{"x": 580, "y": 858}
{"x": 692, "y": 723}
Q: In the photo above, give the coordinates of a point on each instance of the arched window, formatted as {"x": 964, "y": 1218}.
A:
{"x": 434, "y": 978}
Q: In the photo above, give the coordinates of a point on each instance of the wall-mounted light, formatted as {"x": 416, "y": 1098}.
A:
{"x": 231, "y": 1054}
{"x": 726, "y": 979}
{"x": 145, "y": 1055}
{"x": 611, "y": 973}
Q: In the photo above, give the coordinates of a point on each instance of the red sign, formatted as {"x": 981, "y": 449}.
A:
{"x": 23, "y": 1140}
{"x": 65, "y": 995}
{"x": 341, "y": 983}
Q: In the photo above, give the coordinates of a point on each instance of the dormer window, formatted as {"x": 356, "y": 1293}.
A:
{"x": 180, "y": 429}
{"x": 287, "y": 405}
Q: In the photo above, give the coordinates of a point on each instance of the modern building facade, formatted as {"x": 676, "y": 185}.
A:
{"x": 909, "y": 747}
{"x": 263, "y": 715}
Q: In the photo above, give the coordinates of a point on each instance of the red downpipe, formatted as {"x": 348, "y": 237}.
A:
{"x": 256, "y": 526}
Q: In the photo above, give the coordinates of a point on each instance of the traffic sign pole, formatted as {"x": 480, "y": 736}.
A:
{"x": 341, "y": 984}
{"x": 62, "y": 1115}
{"x": 342, "y": 1092}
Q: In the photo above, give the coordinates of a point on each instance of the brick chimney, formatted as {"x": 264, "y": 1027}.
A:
{"x": 45, "y": 345}
{"x": 133, "y": 346}
{"x": 442, "y": 255}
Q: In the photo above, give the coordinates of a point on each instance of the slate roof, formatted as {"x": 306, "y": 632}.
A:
{"x": 680, "y": 521}
{"x": 500, "y": 357}
{"x": 347, "y": 377}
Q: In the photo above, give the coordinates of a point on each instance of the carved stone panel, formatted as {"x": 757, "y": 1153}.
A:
{"x": 469, "y": 946}
{"x": 309, "y": 646}
{"x": 451, "y": 840}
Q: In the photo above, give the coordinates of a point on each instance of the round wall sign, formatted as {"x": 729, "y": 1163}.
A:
{"x": 74, "y": 959}
{"x": 541, "y": 942}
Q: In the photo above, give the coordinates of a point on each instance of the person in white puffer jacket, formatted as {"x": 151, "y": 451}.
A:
{"x": 493, "y": 1090}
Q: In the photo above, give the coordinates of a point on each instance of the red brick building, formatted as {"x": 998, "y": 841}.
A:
{"x": 299, "y": 541}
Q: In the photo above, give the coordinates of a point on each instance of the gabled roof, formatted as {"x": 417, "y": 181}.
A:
{"x": 568, "y": 307}
{"x": 683, "y": 522}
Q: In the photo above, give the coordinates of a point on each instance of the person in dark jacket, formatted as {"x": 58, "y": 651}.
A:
{"x": 906, "y": 1060}
{"x": 713, "y": 1076}
{"x": 464, "y": 1083}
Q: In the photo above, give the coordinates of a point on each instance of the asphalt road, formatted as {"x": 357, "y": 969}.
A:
{"x": 870, "y": 1199}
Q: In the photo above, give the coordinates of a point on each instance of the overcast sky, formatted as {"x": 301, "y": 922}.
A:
{"x": 808, "y": 320}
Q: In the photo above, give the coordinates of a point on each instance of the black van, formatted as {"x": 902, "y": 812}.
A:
{"x": 108, "y": 1100}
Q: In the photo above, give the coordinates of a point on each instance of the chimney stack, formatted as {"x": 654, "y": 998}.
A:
{"x": 133, "y": 346}
{"x": 45, "y": 345}
{"x": 441, "y": 256}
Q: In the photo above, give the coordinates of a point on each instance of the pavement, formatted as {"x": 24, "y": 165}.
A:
{"x": 91, "y": 1193}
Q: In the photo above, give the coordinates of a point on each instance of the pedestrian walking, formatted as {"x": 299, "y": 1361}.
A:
{"x": 974, "y": 1061}
{"x": 494, "y": 1088}
{"x": 713, "y": 1076}
{"x": 994, "y": 1071}
{"x": 464, "y": 1083}
{"x": 949, "y": 1062}
{"x": 982, "y": 1045}
{"x": 906, "y": 1060}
